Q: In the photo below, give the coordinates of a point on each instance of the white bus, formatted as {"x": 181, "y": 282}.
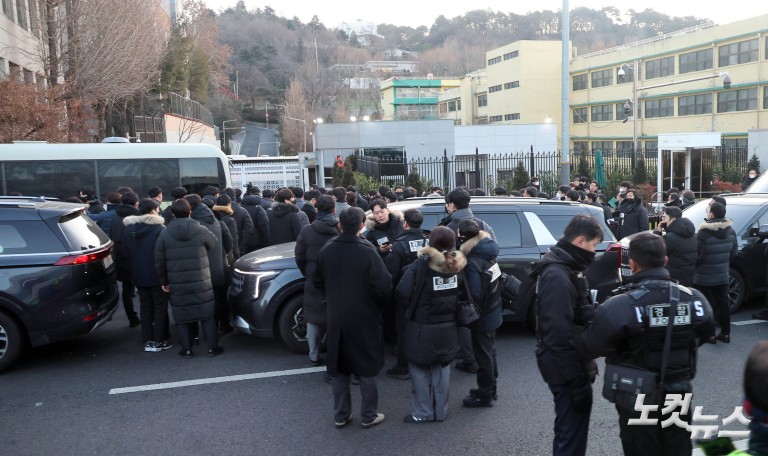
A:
{"x": 61, "y": 170}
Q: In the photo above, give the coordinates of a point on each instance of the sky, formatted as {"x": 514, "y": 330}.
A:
{"x": 415, "y": 13}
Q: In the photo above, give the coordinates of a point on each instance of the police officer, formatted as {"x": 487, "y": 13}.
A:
{"x": 630, "y": 329}
{"x": 563, "y": 309}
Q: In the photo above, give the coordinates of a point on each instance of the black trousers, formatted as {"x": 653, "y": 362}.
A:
{"x": 400, "y": 322}
{"x": 209, "y": 330}
{"x": 154, "y": 313}
{"x": 717, "y": 295}
{"x": 483, "y": 344}
{"x": 222, "y": 307}
{"x": 652, "y": 438}
{"x": 127, "y": 297}
{"x": 571, "y": 426}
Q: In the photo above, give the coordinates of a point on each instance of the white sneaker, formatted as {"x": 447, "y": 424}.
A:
{"x": 151, "y": 347}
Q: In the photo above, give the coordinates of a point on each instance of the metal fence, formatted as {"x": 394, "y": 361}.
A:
{"x": 486, "y": 171}
{"x": 188, "y": 108}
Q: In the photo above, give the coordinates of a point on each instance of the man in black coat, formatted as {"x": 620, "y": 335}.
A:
{"x": 243, "y": 221}
{"x": 680, "y": 239}
{"x": 717, "y": 245}
{"x": 633, "y": 218}
{"x": 176, "y": 193}
{"x": 139, "y": 239}
{"x": 181, "y": 261}
{"x": 284, "y": 221}
{"x": 383, "y": 226}
{"x": 564, "y": 308}
{"x": 355, "y": 284}
{"x": 260, "y": 236}
{"x": 310, "y": 204}
{"x": 311, "y": 239}
{"x": 127, "y": 207}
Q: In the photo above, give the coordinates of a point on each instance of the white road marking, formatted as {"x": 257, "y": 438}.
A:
{"x": 747, "y": 322}
{"x": 206, "y": 381}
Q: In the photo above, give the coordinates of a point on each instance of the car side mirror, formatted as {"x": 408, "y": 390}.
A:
{"x": 762, "y": 232}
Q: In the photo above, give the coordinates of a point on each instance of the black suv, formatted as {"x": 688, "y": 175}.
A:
{"x": 749, "y": 212}
{"x": 267, "y": 287}
{"x": 57, "y": 277}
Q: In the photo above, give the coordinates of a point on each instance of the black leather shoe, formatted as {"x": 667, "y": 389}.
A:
{"x": 725, "y": 338}
{"x": 215, "y": 351}
{"x": 476, "y": 401}
{"x": 185, "y": 353}
{"x": 712, "y": 340}
{"x": 476, "y": 392}
{"x": 465, "y": 367}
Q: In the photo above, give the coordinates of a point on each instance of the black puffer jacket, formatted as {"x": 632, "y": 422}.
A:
{"x": 245, "y": 228}
{"x": 481, "y": 252}
{"x": 379, "y": 233}
{"x": 633, "y": 218}
{"x": 217, "y": 254}
{"x": 311, "y": 239}
{"x": 181, "y": 261}
{"x": 430, "y": 289}
{"x": 405, "y": 250}
{"x": 717, "y": 245}
{"x": 117, "y": 228}
{"x": 284, "y": 223}
{"x": 681, "y": 250}
{"x": 139, "y": 238}
{"x": 260, "y": 236}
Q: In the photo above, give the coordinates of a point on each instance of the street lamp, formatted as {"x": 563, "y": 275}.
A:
{"x": 224, "y": 130}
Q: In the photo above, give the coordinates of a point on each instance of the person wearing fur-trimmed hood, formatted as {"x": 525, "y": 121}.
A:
{"x": 431, "y": 287}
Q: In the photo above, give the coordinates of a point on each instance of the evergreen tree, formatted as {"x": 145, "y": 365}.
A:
{"x": 640, "y": 174}
{"x": 583, "y": 167}
{"x": 414, "y": 180}
{"x": 520, "y": 176}
{"x": 754, "y": 163}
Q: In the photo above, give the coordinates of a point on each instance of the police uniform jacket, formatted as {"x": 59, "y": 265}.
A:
{"x": 623, "y": 330}
{"x": 379, "y": 233}
{"x": 405, "y": 250}
{"x": 481, "y": 252}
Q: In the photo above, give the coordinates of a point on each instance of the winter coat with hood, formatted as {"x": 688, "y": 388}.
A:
{"x": 681, "y": 250}
{"x": 356, "y": 285}
{"x": 216, "y": 255}
{"x": 633, "y": 218}
{"x": 117, "y": 228}
{"x": 380, "y": 233}
{"x": 481, "y": 252}
{"x": 310, "y": 211}
{"x": 311, "y": 239}
{"x": 430, "y": 290}
{"x": 245, "y": 228}
{"x": 139, "y": 239}
{"x": 260, "y": 236}
{"x": 405, "y": 250}
{"x": 284, "y": 223}
{"x": 181, "y": 262}
{"x": 225, "y": 214}
{"x": 717, "y": 245}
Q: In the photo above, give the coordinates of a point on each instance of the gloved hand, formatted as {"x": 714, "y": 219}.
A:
{"x": 590, "y": 370}
{"x": 581, "y": 394}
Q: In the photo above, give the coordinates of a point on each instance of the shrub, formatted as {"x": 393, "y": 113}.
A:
{"x": 754, "y": 163}
{"x": 720, "y": 186}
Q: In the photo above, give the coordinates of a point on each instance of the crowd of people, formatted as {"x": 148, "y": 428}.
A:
{"x": 415, "y": 281}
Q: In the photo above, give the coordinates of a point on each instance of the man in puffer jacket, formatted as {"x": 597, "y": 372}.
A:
{"x": 284, "y": 219}
{"x": 260, "y": 236}
{"x": 717, "y": 245}
{"x": 181, "y": 262}
{"x": 311, "y": 239}
{"x": 633, "y": 218}
{"x": 139, "y": 239}
{"x": 482, "y": 275}
{"x": 680, "y": 239}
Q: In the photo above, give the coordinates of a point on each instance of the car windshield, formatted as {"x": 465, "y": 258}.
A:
{"x": 760, "y": 185}
{"x": 738, "y": 213}
{"x": 82, "y": 233}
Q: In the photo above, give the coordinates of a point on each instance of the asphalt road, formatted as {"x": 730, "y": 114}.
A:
{"x": 260, "y": 141}
{"x": 57, "y": 401}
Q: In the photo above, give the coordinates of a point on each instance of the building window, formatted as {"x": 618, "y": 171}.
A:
{"x": 580, "y": 146}
{"x": 629, "y": 74}
{"x": 452, "y": 106}
{"x": 601, "y": 113}
{"x": 694, "y": 104}
{"x": 765, "y": 96}
{"x": 696, "y": 61}
{"x": 494, "y": 61}
{"x": 662, "y": 107}
{"x": 580, "y": 82}
{"x": 742, "y": 52}
{"x": 605, "y": 146}
{"x": 737, "y": 100}
{"x": 732, "y": 143}
{"x": 482, "y": 100}
{"x": 482, "y": 120}
{"x": 624, "y": 148}
{"x": 511, "y": 85}
{"x": 579, "y": 115}
{"x": 659, "y": 68}
{"x": 495, "y": 118}
{"x": 496, "y": 88}
{"x": 602, "y": 78}
{"x": 8, "y": 8}
{"x": 511, "y": 55}
{"x": 515, "y": 116}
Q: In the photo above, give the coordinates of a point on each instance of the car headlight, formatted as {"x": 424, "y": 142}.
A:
{"x": 257, "y": 277}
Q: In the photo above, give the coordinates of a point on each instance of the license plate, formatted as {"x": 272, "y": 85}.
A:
{"x": 626, "y": 272}
{"x": 107, "y": 260}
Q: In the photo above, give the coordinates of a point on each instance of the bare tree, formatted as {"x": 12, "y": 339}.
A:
{"x": 295, "y": 107}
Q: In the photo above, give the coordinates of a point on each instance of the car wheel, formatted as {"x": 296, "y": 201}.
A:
{"x": 293, "y": 327}
{"x": 10, "y": 341}
{"x": 736, "y": 290}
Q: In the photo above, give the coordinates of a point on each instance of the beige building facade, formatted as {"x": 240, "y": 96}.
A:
{"x": 706, "y": 79}
{"x": 20, "y": 51}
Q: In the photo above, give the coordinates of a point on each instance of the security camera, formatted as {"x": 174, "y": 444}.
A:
{"x": 727, "y": 82}
{"x": 627, "y": 109}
